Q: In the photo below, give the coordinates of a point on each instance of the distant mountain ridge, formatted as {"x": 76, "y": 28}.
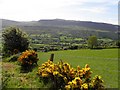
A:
{"x": 62, "y": 22}
{"x": 88, "y": 24}
{"x": 50, "y": 25}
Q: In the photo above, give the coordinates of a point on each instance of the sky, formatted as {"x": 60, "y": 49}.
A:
{"x": 105, "y": 11}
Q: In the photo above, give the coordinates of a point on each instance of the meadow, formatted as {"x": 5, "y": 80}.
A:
{"x": 103, "y": 62}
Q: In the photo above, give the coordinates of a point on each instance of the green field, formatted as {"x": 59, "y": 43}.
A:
{"x": 102, "y": 62}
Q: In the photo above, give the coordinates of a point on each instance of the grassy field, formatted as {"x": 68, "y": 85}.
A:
{"x": 102, "y": 62}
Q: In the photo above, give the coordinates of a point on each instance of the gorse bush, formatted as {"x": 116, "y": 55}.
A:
{"x": 63, "y": 76}
{"x": 27, "y": 58}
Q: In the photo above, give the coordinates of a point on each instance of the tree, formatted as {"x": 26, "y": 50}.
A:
{"x": 92, "y": 42}
{"x": 118, "y": 43}
{"x": 14, "y": 40}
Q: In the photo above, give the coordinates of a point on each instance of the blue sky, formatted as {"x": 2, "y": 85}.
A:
{"x": 84, "y": 10}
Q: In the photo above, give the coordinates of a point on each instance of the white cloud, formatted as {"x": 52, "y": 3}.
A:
{"x": 98, "y": 10}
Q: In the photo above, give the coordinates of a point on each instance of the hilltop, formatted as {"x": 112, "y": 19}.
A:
{"x": 57, "y": 26}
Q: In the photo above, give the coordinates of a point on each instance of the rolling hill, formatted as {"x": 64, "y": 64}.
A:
{"x": 57, "y": 26}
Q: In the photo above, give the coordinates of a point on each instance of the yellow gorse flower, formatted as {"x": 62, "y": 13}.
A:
{"x": 71, "y": 78}
{"x": 44, "y": 74}
{"x": 28, "y": 57}
{"x": 84, "y": 86}
{"x": 55, "y": 73}
{"x": 67, "y": 87}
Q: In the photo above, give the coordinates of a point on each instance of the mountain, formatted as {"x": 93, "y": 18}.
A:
{"x": 87, "y": 24}
{"x": 56, "y": 26}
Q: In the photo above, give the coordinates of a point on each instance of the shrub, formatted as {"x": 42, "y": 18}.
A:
{"x": 14, "y": 40}
{"x": 28, "y": 58}
{"x": 63, "y": 76}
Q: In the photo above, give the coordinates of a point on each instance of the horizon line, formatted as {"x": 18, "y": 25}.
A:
{"x": 57, "y": 19}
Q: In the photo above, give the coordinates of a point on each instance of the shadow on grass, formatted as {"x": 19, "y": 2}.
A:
{"x": 27, "y": 68}
{"x": 96, "y": 48}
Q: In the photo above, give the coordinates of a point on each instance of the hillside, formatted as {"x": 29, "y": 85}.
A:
{"x": 56, "y": 26}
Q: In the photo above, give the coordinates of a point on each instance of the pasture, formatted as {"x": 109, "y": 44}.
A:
{"x": 103, "y": 62}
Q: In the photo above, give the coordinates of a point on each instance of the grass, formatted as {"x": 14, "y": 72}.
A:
{"x": 13, "y": 78}
{"x": 102, "y": 62}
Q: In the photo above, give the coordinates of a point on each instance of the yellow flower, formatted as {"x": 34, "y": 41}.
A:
{"x": 87, "y": 69}
{"x": 78, "y": 67}
{"x": 48, "y": 70}
{"x": 99, "y": 77}
{"x": 50, "y": 62}
{"x": 74, "y": 84}
{"x": 43, "y": 65}
{"x": 52, "y": 66}
{"x": 86, "y": 66}
{"x": 27, "y": 55}
{"x": 46, "y": 63}
{"x": 70, "y": 83}
{"x": 84, "y": 86}
{"x": 67, "y": 87}
{"x": 65, "y": 79}
{"x": 77, "y": 78}
{"x": 44, "y": 74}
{"x": 55, "y": 73}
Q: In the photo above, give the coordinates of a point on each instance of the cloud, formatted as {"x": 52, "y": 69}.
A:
{"x": 94, "y": 10}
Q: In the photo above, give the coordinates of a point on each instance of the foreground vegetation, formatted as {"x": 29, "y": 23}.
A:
{"x": 23, "y": 67}
{"x": 102, "y": 62}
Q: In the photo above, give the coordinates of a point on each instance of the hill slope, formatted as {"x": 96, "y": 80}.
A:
{"x": 75, "y": 28}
